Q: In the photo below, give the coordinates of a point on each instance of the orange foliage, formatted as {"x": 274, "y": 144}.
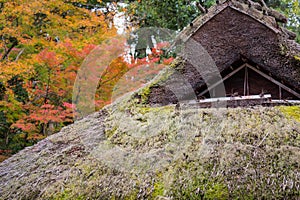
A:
{"x": 44, "y": 46}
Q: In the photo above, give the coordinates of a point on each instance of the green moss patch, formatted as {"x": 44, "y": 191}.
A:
{"x": 291, "y": 112}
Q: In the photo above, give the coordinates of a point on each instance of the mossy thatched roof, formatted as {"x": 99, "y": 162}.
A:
{"x": 129, "y": 151}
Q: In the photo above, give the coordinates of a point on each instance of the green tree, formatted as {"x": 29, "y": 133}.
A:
{"x": 172, "y": 14}
{"x": 175, "y": 15}
{"x": 291, "y": 8}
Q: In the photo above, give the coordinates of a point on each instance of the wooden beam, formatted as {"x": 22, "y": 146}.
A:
{"x": 246, "y": 82}
{"x": 222, "y": 80}
{"x": 280, "y": 93}
{"x": 286, "y": 101}
{"x": 220, "y": 99}
{"x": 274, "y": 81}
{"x": 248, "y": 88}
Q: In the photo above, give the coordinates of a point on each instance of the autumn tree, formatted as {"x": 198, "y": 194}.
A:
{"x": 42, "y": 46}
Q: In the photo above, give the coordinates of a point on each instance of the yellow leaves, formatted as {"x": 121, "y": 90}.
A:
{"x": 11, "y": 69}
{"x": 63, "y": 19}
{"x": 296, "y": 6}
{"x": 8, "y": 31}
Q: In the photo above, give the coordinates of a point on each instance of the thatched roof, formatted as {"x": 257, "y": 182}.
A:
{"x": 234, "y": 31}
{"x": 160, "y": 153}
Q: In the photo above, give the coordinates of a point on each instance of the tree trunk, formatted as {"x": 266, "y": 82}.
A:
{"x": 6, "y": 138}
{"x": 9, "y": 50}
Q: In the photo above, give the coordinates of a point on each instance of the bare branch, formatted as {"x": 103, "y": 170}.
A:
{"x": 20, "y": 53}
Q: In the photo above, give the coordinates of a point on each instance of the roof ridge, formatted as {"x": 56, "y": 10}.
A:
{"x": 259, "y": 15}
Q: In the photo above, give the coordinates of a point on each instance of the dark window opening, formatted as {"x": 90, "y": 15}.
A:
{"x": 247, "y": 80}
